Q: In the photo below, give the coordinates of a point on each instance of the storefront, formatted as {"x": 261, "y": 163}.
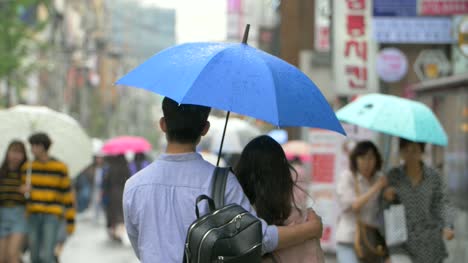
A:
{"x": 448, "y": 97}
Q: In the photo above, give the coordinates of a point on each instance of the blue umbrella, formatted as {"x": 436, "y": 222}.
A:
{"x": 237, "y": 78}
{"x": 395, "y": 116}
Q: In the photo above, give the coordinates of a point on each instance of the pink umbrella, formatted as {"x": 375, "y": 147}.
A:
{"x": 124, "y": 144}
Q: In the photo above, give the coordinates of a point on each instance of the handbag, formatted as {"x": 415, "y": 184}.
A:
{"x": 395, "y": 225}
{"x": 369, "y": 244}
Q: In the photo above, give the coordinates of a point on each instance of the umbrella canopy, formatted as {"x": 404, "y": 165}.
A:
{"x": 126, "y": 144}
{"x": 70, "y": 143}
{"x": 395, "y": 116}
{"x": 237, "y": 78}
{"x": 239, "y": 133}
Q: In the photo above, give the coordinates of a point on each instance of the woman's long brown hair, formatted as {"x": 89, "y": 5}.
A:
{"x": 17, "y": 145}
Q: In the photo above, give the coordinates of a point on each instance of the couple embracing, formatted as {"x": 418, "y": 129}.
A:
{"x": 159, "y": 202}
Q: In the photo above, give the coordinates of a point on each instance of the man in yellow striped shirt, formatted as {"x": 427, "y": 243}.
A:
{"x": 51, "y": 199}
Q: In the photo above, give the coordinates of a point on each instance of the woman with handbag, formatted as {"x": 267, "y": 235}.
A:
{"x": 358, "y": 191}
{"x": 421, "y": 190}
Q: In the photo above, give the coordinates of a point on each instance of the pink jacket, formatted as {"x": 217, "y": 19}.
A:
{"x": 308, "y": 252}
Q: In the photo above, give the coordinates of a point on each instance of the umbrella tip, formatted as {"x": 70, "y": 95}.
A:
{"x": 246, "y": 34}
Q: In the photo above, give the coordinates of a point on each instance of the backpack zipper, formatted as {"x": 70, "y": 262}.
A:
{"x": 221, "y": 258}
{"x": 235, "y": 219}
{"x": 201, "y": 221}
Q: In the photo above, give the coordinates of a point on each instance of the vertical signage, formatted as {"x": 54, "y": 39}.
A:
{"x": 322, "y": 25}
{"x": 354, "y": 50}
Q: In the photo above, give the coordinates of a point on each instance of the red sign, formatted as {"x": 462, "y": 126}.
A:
{"x": 356, "y": 46}
{"x": 443, "y": 7}
{"x": 353, "y": 46}
{"x": 323, "y": 167}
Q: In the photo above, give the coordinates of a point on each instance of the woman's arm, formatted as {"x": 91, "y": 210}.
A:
{"x": 441, "y": 208}
{"x": 362, "y": 199}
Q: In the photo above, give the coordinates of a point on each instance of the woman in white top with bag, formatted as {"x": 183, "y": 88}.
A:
{"x": 363, "y": 177}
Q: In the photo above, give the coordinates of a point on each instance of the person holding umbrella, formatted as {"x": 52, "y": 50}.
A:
{"x": 421, "y": 190}
{"x": 13, "y": 224}
{"x": 51, "y": 199}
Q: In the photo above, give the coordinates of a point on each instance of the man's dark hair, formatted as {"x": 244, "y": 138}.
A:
{"x": 184, "y": 122}
{"x": 40, "y": 138}
{"x": 404, "y": 142}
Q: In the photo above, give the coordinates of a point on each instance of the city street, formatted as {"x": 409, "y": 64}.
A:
{"x": 321, "y": 101}
{"x": 90, "y": 243}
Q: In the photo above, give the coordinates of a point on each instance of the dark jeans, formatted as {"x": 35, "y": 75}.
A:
{"x": 43, "y": 230}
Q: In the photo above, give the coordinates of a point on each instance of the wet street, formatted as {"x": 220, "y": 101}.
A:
{"x": 90, "y": 243}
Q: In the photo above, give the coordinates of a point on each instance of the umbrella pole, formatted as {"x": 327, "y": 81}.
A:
{"x": 246, "y": 34}
{"x": 222, "y": 139}
{"x": 244, "y": 41}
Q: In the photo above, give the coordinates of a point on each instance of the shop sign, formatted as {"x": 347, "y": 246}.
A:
{"x": 391, "y": 64}
{"x": 395, "y": 7}
{"x": 460, "y": 49}
{"x": 431, "y": 64}
{"x": 322, "y": 25}
{"x": 462, "y": 30}
{"x": 413, "y": 30}
{"x": 443, "y": 7}
{"x": 353, "y": 48}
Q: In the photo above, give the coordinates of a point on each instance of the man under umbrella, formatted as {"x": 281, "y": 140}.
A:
{"x": 50, "y": 199}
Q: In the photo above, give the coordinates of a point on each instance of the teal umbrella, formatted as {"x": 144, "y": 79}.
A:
{"x": 395, "y": 116}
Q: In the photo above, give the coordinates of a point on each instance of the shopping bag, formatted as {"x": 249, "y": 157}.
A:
{"x": 396, "y": 232}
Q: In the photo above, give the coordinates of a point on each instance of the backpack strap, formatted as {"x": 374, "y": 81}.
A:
{"x": 219, "y": 185}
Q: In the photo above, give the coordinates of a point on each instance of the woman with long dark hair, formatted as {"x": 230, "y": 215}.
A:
{"x": 13, "y": 226}
{"x": 265, "y": 176}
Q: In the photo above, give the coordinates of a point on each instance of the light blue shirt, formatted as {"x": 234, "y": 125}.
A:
{"x": 159, "y": 205}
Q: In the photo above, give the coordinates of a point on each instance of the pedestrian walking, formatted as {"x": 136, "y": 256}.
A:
{"x": 99, "y": 170}
{"x": 140, "y": 161}
{"x": 422, "y": 192}
{"x": 51, "y": 199}
{"x": 113, "y": 185}
{"x": 270, "y": 184}
{"x": 13, "y": 225}
{"x": 358, "y": 190}
{"x": 159, "y": 200}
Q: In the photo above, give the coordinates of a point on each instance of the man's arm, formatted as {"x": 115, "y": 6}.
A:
{"x": 297, "y": 234}
{"x": 68, "y": 201}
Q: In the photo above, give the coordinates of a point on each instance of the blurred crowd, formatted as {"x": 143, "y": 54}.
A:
{"x": 39, "y": 200}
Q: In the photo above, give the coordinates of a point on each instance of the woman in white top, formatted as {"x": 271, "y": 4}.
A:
{"x": 365, "y": 163}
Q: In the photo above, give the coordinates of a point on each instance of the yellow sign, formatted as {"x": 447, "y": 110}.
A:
{"x": 463, "y": 36}
{"x": 431, "y": 70}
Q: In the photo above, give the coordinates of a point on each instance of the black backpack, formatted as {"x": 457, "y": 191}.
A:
{"x": 226, "y": 233}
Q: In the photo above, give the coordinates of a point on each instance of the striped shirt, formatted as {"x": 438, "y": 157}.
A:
{"x": 51, "y": 191}
{"x": 9, "y": 194}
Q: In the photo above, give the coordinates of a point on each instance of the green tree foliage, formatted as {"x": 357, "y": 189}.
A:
{"x": 19, "y": 25}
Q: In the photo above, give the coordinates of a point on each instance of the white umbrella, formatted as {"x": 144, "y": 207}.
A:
{"x": 238, "y": 134}
{"x": 70, "y": 143}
